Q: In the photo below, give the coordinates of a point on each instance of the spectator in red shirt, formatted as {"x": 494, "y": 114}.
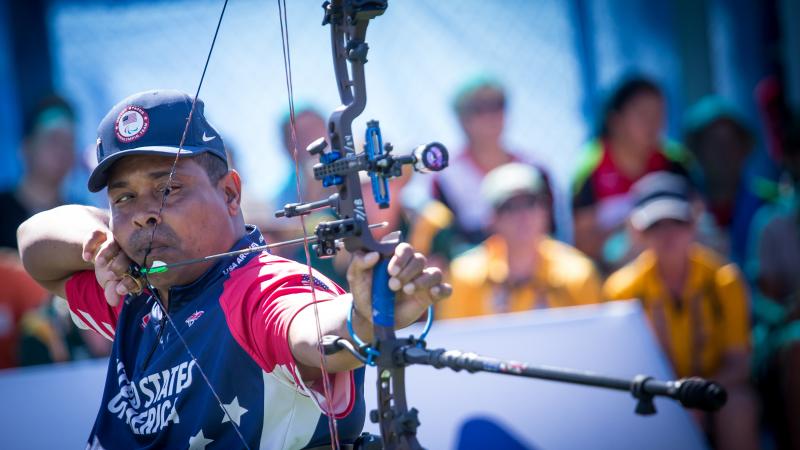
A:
{"x": 628, "y": 146}
{"x": 19, "y": 293}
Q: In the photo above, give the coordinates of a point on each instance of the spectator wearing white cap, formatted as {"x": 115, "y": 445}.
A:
{"x": 696, "y": 302}
{"x": 519, "y": 267}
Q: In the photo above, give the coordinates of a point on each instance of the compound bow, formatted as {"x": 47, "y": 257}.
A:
{"x": 339, "y": 166}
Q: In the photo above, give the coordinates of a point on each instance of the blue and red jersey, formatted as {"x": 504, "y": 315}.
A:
{"x": 235, "y": 320}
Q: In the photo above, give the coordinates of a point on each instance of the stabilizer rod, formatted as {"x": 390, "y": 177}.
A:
{"x": 690, "y": 392}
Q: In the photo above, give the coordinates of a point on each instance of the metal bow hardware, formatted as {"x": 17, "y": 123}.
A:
{"x": 339, "y": 167}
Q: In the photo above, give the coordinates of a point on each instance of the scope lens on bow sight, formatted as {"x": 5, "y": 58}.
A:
{"x": 431, "y": 157}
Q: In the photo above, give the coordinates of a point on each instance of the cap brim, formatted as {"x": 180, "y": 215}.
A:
{"x": 99, "y": 177}
{"x": 647, "y": 215}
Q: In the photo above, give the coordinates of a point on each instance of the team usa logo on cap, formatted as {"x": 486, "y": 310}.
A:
{"x": 131, "y": 124}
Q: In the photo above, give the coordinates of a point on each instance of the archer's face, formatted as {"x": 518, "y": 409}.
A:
{"x": 196, "y": 219}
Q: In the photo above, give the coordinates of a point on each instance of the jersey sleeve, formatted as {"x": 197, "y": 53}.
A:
{"x": 582, "y": 191}
{"x": 623, "y": 284}
{"x": 586, "y": 289}
{"x": 732, "y": 292}
{"x": 260, "y": 301}
{"x": 88, "y": 306}
{"x": 583, "y": 196}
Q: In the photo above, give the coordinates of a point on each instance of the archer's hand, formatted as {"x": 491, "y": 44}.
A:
{"x": 416, "y": 284}
{"x": 110, "y": 265}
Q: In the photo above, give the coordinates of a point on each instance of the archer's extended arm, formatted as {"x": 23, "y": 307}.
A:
{"x": 417, "y": 287}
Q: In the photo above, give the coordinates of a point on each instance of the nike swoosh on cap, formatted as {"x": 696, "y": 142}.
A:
{"x": 206, "y": 138}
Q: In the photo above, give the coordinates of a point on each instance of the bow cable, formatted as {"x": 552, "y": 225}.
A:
{"x": 326, "y": 382}
{"x": 167, "y": 190}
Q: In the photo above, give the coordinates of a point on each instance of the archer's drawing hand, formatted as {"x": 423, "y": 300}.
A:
{"x": 417, "y": 285}
{"x": 110, "y": 266}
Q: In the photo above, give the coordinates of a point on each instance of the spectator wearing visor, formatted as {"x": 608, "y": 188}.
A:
{"x": 480, "y": 106}
{"x": 696, "y": 303}
{"x": 519, "y": 267}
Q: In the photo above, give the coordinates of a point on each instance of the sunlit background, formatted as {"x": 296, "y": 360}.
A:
{"x": 556, "y": 58}
{"x": 557, "y": 61}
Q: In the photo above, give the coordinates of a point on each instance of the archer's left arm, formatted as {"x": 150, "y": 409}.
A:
{"x": 416, "y": 285}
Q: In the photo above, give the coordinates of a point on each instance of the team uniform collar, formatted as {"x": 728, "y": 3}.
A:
{"x": 180, "y": 295}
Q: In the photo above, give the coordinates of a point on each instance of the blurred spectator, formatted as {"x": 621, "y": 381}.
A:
{"x": 480, "y": 106}
{"x": 697, "y": 304}
{"x": 48, "y": 153}
{"x": 777, "y": 304}
{"x": 48, "y": 335}
{"x": 395, "y": 215}
{"x": 722, "y": 144}
{"x": 433, "y": 233}
{"x": 18, "y": 294}
{"x": 254, "y": 209}
{"x": 519, "y": 267}
{"x": 627, "y": 147}
{"x": 309, "y": 126}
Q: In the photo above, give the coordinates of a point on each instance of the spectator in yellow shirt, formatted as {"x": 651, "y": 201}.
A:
{"x": 519, "y": 267}
{"x": 696, "y": 303}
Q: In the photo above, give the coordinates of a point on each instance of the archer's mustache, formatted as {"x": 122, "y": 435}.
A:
{"x": 142, "y": 240}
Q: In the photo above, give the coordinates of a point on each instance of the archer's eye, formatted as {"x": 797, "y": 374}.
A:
{"x": 167, "y": 190}
{"x": 122, "y": 198}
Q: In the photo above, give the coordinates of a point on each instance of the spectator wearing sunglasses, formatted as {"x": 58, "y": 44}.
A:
{"x": 481, "y": 109}
{"x": 519, "y": 267}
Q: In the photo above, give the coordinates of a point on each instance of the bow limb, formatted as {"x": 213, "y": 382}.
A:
{"x": 340, "y": 167}
{"x": 348, "y": 33}
{"x": 326, "y": 381}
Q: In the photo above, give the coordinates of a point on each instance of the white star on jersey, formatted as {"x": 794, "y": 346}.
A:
{"x": 234, "y": 411}
{"x": 198, "y": 441}
{"x": 173, "y": 415}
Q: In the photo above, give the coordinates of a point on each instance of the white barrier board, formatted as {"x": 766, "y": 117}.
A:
{"x": 611, "y": 339}
{"x": 55, "y": 406}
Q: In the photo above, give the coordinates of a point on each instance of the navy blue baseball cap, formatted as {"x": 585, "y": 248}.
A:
{"x": 152, "y": 123}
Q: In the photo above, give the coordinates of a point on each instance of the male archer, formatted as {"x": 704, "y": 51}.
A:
{"x": 247, "y": 320}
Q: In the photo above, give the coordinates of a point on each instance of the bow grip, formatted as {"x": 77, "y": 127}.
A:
{"x": 382, "y": 296}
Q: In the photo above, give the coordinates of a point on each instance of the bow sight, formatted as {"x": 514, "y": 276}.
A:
{"x": 336, "y": 167}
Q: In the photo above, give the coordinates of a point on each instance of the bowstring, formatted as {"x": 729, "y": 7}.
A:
{"x": 166, "y": 193}
{"x": 287, "y": 66}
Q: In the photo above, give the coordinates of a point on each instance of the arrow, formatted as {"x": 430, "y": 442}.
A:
{"x": 161, "y": 266}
